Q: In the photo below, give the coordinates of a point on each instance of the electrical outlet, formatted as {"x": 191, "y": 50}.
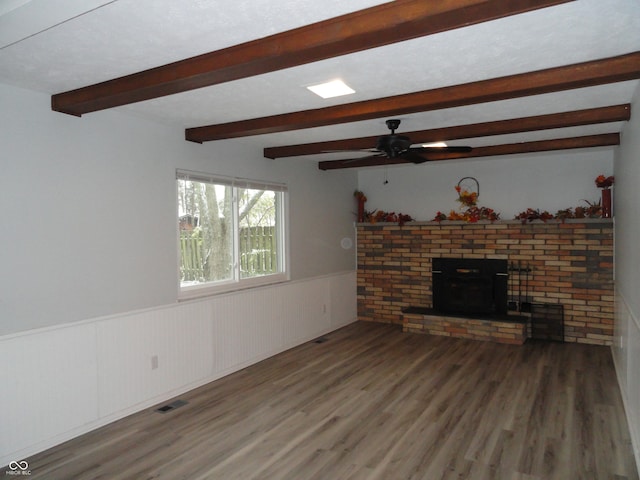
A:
{"x": 154, "y": 362}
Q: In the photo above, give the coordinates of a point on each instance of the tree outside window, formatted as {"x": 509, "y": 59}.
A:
{"x": 228, "y": 233}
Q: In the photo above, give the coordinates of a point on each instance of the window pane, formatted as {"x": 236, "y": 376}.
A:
{"x": 231, "y": 233}
{"x": 206, "y": 232}
{"x": 258, "y": 233}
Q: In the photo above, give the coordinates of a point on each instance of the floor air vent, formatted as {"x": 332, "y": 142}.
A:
{"x": 171, "y": 406}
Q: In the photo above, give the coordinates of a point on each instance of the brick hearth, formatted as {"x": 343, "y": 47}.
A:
{"x": 500, "y": 331}
{"x": 571, "y": 263}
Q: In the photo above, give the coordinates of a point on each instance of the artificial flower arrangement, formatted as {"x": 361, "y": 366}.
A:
{"x": 465, "y": 197}
{"x": 391, "y": 217}
{"x": 472, "y": 213}
{"x": 360, "y": 196}
{"x": 604, "y": 182}
{"x": 378, "y": 215}
{"x": 592, "y": 210}
{"x": 530, "y": 214}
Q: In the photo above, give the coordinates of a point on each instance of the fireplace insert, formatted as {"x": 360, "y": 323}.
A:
{"x": 472, "y": 286}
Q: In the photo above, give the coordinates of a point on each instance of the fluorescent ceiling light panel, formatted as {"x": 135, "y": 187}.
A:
{"x": 335, "y": 88}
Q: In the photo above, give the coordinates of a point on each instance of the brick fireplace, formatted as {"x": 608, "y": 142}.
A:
{"x": 568, "y": 264}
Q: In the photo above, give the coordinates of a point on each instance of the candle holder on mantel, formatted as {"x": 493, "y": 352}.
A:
{"x": 606, "y": 203}
{"x": 605, "y": 183}
{"x": 361, "y": 199}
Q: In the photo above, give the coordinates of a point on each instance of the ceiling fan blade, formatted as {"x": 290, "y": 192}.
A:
{"x": 365, "y": 150}
{"x": 373, "y": 161}
{"x": 451, "y": 149}
{"x": 414, "y": 157}
{"x": 376, "y": 155}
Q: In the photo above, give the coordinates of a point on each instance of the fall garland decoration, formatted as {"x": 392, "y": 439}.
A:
{"x": 530, "y": 214}
{"x": 592, "y": 210}
{"x": 377, "y": 216}
{"x": 472, "y": 213}
{"x": 391, "y": 217}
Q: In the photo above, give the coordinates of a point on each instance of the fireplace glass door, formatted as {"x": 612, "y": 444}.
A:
{"x": 469, "y": 286}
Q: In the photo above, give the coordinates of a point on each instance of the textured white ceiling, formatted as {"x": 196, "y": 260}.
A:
{"x": 58, "y": 45}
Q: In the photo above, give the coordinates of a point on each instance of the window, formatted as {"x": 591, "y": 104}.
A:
{"x": 231, "y": 233}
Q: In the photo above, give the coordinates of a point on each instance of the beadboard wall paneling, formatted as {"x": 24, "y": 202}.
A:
{"x": 626, "y": 355}
{"x": 255, "y": 317}
{"x": 309, "y": 309}
{"x": 633, "y": 383}
{"x": 180, "y": 338}
{"x": 48, "y": 387}
{"x": 343, "y": 300}
{"x": 61, "y": 382}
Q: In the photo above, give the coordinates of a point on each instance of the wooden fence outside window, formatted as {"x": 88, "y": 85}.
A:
{"x": 258, "y": 253}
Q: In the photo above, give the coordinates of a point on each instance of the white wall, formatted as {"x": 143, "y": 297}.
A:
{"x": 626, "y": 347}
{"x": 510, "y": 184}
{"x": 88, "y": 252}
{"x": 90, "y": 215}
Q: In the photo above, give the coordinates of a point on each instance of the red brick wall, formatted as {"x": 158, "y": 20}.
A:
{"x": 572, "y": 264}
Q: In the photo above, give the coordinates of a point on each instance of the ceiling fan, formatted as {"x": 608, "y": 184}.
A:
{"x": 399, "y": 146}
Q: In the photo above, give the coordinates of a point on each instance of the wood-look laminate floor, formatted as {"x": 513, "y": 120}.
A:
{"x": 374, "y": 403}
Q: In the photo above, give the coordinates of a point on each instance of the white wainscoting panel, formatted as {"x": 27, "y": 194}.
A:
{"x": 48, "y": 386}
{"x": 626, "y": 354}
{"x": 343, "y": 294}
{"x": 247, "y": 326}
{"x": 179, "y": 337}
{"x": 633, "y": 383}
{"x": 307, "y": 314}
{"x": 61, "y": 382}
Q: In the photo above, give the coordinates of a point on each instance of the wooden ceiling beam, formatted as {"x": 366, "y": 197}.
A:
{"x": 590, "y": 141}
{"x": 373, "y": 27}
{"x": 614, "y": 113}
{"x": 586, "y": 74}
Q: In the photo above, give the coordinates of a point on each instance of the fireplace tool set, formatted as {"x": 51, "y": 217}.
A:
{"x": 519, "y": 286}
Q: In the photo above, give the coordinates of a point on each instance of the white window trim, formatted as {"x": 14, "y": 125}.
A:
{"x": 225, "y": 286}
